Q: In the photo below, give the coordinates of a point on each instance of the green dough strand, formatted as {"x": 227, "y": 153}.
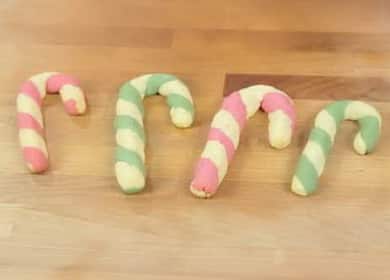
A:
{"x": 129, "y": 128}
{"x": 316, "y": 151}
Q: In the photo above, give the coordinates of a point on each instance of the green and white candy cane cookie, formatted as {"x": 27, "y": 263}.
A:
{"x": 129, "y": 128}
{"x": 321, "y": 139}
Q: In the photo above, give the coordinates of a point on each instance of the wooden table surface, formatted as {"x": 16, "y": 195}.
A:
{"x": 73, "y": 222}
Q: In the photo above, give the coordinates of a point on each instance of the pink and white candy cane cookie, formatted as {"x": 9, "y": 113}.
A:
{"x": 29, "y": 115}
{"x": 226, "y": 126}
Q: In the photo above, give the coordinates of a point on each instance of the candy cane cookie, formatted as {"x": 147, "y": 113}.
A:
{"x": 224, "y": 134}
{"x": 29, "y": 115}
{"x": 312, "y": 161}
{"x": 129, "y": 129}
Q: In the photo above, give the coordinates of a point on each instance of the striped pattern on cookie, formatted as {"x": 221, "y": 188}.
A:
{"x": 312, "y": 161}
{"x": 129, "y": 128}
{"x": 29, "y": 115}
{"x": 226, "y": 126}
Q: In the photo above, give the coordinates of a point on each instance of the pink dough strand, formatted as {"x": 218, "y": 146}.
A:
{"x": 206, "y": 178}
{"x": 57, "y": 81}
{"x": 221, "y": 137}
{"x": 28, "y": 88}
{"x": 29, "y": 119}
{"x": 70, "y": 107}
{"x": 211, "y": 164}
{"x": 236, "y": 107}
{"x": 36, "y": 159}
{"x": 274, "y": 101}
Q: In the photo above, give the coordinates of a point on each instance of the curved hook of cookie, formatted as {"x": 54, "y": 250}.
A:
{"x": 129, "y": 128}
{"x": 30, "y": 120}
{"x": 223, "y": 137}
{"x": 321, "y": 139}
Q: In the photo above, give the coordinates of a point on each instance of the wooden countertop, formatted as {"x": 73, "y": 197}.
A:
{"x": 74, "y": 223}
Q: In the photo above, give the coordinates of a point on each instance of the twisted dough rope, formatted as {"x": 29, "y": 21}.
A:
{"x": 30, "y": 121}
{"x": 130, "y": 137}
{"x": 313, "y": 158}
{"x": 223, "y": 137}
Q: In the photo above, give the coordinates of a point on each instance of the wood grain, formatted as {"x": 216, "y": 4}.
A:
{"x": 73, "y": 222}
{"x": 316, "y": 87}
